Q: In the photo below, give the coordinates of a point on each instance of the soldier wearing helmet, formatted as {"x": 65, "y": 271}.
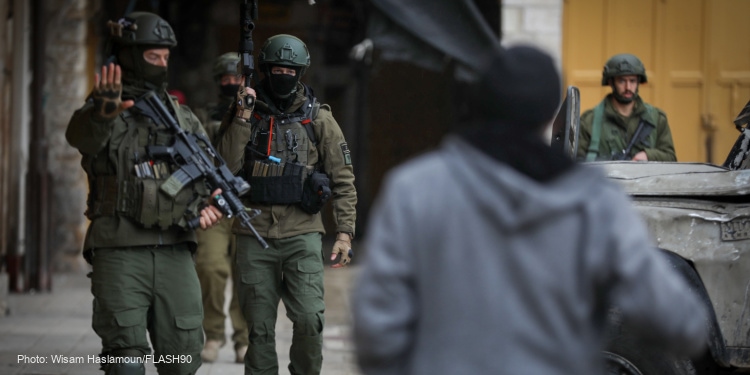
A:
{"x": 608, "y": 128}
{"x": 213, "y": 258}
{"x": 293, "y": 153}
{"x": 138, "y": 242}
{"x": 227, "y": 80}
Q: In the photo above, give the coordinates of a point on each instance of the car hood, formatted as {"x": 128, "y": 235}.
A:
{"x": 676, "y": 179}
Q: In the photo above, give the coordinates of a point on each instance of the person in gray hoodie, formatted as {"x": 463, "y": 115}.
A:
{"x": 495, "y": 254}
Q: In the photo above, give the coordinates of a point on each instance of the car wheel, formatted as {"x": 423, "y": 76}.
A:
{"x": 618, "y": 364}
{"x": 626, "y": 355}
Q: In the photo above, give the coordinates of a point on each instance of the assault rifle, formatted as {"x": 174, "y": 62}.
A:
{"x": 248, "y": 13}
{"x": 195, "y": 162}
{"x": 641, "y": 132}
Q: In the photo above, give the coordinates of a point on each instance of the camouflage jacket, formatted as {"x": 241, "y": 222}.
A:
{"x": 617, "y": 131}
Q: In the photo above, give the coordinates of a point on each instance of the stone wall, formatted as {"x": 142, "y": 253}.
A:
{"x": 538, "y": 22}
{"x": 67, "y": 83}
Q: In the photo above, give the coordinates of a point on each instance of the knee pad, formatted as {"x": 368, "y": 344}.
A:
{"x": 125, "y": 362}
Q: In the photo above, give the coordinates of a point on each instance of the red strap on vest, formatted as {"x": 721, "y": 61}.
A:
{"x": 270, "y": 137}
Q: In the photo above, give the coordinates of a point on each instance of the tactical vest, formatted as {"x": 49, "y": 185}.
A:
{"x": 650, "y": 114}
{"x": 276, "y": 158}
{"x": 134, "y": 188}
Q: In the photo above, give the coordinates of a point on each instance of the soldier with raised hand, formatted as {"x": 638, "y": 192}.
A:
{"x": 608, "y": 128}
{"x": 215, "y": 253}
{"x": 138, "y": 242}
{"x": 292, "y": 152}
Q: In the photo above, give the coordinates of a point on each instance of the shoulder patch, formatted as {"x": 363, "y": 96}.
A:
{"x": 346, "y": 153}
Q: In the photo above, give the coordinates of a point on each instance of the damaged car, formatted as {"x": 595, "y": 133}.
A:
{"x": 699, "y": 217}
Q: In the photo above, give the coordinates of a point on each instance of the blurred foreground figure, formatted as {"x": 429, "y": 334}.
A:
{"x": 494, "y": 254}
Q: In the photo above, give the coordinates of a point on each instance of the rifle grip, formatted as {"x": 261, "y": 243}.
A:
{"x": 194, "y": 223}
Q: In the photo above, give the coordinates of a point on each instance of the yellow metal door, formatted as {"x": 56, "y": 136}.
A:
{"x": 727, "y": 68}
{"x": 696, "y": 54}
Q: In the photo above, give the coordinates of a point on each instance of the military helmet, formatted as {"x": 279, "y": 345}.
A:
{"x": 142, "y": 28}
{"x": 225, "y": 64}
{"x": 284, "y": 50}
{"x": 621, "y": 65}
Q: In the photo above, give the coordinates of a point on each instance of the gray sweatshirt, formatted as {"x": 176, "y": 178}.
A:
{"x": 471, "y": 267}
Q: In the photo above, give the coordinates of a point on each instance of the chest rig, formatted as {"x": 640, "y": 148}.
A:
{"x": 277, "y": 158}
{"x": 125, "y": 180}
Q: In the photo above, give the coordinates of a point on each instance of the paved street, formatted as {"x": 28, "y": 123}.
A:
{"x": 44, "y": 325}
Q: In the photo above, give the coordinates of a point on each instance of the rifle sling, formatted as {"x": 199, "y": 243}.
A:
{"x": 596, "y": 132}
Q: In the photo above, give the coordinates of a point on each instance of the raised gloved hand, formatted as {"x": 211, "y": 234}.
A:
{"x": 342, "y": 248}
{"x": 107, "y": 93}
{"x": 245, "y": 102}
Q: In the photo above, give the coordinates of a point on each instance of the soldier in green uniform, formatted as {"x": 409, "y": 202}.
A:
{"x": 293, "y": 153}
{"x": 608, "y": 128}
{"x": 144, "y": 279}
{"x": 214, "y": 256}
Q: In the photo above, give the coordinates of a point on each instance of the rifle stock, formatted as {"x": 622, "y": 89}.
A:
{"x": 196, "y": 162}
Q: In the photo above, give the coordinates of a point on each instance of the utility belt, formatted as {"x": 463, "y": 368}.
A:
{"x": 287, "y": 183}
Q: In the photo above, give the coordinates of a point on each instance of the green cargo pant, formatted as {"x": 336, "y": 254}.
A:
{"x": 214, "y": 261}
{"x": 290, "y": 270}
{"x": 149, "y": 289}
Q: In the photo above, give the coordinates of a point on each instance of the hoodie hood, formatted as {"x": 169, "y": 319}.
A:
{"x": 516, "y": 199}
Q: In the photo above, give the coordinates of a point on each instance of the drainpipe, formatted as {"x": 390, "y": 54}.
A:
{"x": 19, "y": 130}
{"x": 37, "y": 259}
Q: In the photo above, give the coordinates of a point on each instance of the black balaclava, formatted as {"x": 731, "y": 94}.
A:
{"x": 282, "y": 86}
{"x": 139, "y": 73}
{"x": 514, "y": 99}
{"x": 273, "y": 100}
{"x": 229, "y": 90}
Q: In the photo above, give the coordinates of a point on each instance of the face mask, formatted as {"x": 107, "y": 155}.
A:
{"x": 229, "y": 90}
{"x": 282, "y": 85}
{"x": 155, "y": 75}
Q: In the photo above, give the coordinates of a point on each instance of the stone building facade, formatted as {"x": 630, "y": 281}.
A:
{"x": 538, "y": 22}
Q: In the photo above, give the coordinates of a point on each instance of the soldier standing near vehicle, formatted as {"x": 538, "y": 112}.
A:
{"x": 143, "y": 278}
{"x": 608, "y": 128}
{"x": 215, "y": 254}
{"x": 293, "y": 153}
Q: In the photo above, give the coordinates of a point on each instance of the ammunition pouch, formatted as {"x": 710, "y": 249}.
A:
{"x": 146, "y": 201}
{"x": 275, "y": 190}
{"x": 102, "y": 199}
{"x": 281, "y": 189}
{"x": 316, "y": 193}
{"x": 157, "y": 208}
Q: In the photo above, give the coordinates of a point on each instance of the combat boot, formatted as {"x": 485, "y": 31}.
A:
{"x": 240, "y": 354}
{"x": 210, "y": 351}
